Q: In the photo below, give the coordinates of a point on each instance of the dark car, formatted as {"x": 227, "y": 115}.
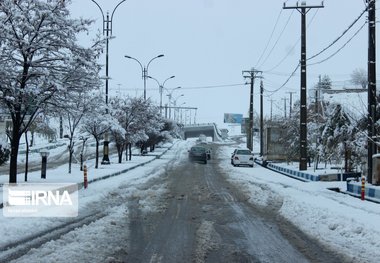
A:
{"x": 208, "y": 149}
{"x": 198, "y": 153}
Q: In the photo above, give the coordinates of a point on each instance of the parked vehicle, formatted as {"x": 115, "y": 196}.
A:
{"x": 198, "y": 153}
{"x": 242, "y": 157}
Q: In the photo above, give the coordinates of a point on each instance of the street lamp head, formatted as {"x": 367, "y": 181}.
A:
{"x": 127, "y": 56}
{"x": 160, "y": 56}
{"x": 172, "y": 77}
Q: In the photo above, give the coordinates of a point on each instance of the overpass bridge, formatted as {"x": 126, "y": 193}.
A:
{"x": 208, "y": 129}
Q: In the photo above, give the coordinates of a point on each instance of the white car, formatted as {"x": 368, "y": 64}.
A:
{"x": 242, "y": 157}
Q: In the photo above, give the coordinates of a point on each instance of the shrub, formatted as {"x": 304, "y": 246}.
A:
{"x": 4, "y": 154}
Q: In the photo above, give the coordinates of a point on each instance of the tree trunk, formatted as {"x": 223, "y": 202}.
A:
{"x": 15, "y": 143}
{"x": 97, "y": 153}
{"x": 60, "y": 127}
{"x": 70, "y": 159}
{"x": 31, "y": 139}
{"x": 317, "y": 162}
{"x": 126, "y": 151}
{"x": 120, "y": 152}
{"x": 120, "y": 156}
{"x": 71, "y": 151}
{"x": 130, "y": 150}
{"x": 26, "y": 156}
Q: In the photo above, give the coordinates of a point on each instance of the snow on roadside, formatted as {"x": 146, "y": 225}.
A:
{"x": 340, "y": 221}
{"x": 81, "y": 246}
{"x": 101, "y": 194}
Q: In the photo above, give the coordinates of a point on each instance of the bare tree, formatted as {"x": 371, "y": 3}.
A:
{"x": 76, "y": 109}
{"x": 96, "y": 123}
{"x": 359, "y": 77}
{"x": 38, "y": 48}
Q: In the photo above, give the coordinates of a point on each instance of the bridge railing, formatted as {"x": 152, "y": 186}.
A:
{"x": 199, "y": 125}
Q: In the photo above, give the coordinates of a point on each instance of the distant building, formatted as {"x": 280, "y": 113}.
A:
{"x": 343, "y": 90}
{"x": 274, "y": 150}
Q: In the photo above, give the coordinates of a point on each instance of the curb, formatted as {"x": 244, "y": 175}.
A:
{"x": 353, "y": 188}
{"x": 371, "y": 193}
{"x": 295, "y": 174}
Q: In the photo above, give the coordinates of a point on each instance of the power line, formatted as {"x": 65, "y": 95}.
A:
{"x": 200, "y": 87}
{"x": 215, "y": 86}
{"x": 286, "y": 82}
{"x": 270, "y": 38}
{"x": 278, "y": 39}
{"x": 344, "y": 45}
{"x": 323, "y": 50}
{"x": 338, "y": 38}
{"x": 293, "y": 47}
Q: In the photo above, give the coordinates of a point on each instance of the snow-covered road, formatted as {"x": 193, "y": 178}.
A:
{"x": 102, "y": 233}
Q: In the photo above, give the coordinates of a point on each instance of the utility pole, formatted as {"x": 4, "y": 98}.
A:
{"x": 252, "y": 75}
{"x": 261, "y": 118}
{"x": 290, "y": 103}
{"x": 372, "y": 101}
{"x": 303, "y": 9}
{"x": 271, "y": 108}
{"x": 284, "y": 99}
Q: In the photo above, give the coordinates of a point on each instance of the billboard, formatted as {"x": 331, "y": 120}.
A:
{"x": 233, "y": 118}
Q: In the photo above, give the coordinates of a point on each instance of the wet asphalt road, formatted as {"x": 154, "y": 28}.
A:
{"x": 206, "y": 219}
{"x": 193, "y": 215}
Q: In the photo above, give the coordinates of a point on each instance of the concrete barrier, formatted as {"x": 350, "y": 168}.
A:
{"x": 371, "y": 192}
{"x": 293, "y": 173}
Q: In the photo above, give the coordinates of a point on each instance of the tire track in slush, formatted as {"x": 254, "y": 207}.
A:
{"x": 254, "y": 234}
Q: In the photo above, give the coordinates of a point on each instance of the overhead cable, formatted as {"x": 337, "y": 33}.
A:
{"x": 292, "y": 48}
{"x": 270, "y": 38}
{"x": 344, "y": 45}
{"x": 278, "y": 39}
{"x": 286, "y": 82}
{"x": 338, "y": 38}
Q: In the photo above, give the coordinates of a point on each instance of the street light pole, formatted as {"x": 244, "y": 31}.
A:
{"x": 170, "y": 99}
{"x": 175, "y": 113}
{"x": 144, "y": 69}
{"x": 161, "y": 87}
{"x": 107, "y": 30}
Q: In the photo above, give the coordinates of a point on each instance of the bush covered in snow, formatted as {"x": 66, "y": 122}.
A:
{"x": 4, "y": 152}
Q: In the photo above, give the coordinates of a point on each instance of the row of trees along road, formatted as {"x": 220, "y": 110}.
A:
{"x": 334, "y": 134}
{"x": 46, "y": 74}
{"x": 41, "y": 63}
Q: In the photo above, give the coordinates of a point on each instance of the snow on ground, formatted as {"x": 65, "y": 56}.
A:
{"x": 340, "y": 221}
{"x": 97, "y": 194}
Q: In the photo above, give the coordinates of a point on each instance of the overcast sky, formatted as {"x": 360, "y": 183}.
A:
{"x": 208, "y": 43}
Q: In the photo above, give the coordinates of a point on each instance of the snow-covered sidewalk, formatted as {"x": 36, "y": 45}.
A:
{"x": 61, "y": 175}
{"x": 98, "y": 194}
